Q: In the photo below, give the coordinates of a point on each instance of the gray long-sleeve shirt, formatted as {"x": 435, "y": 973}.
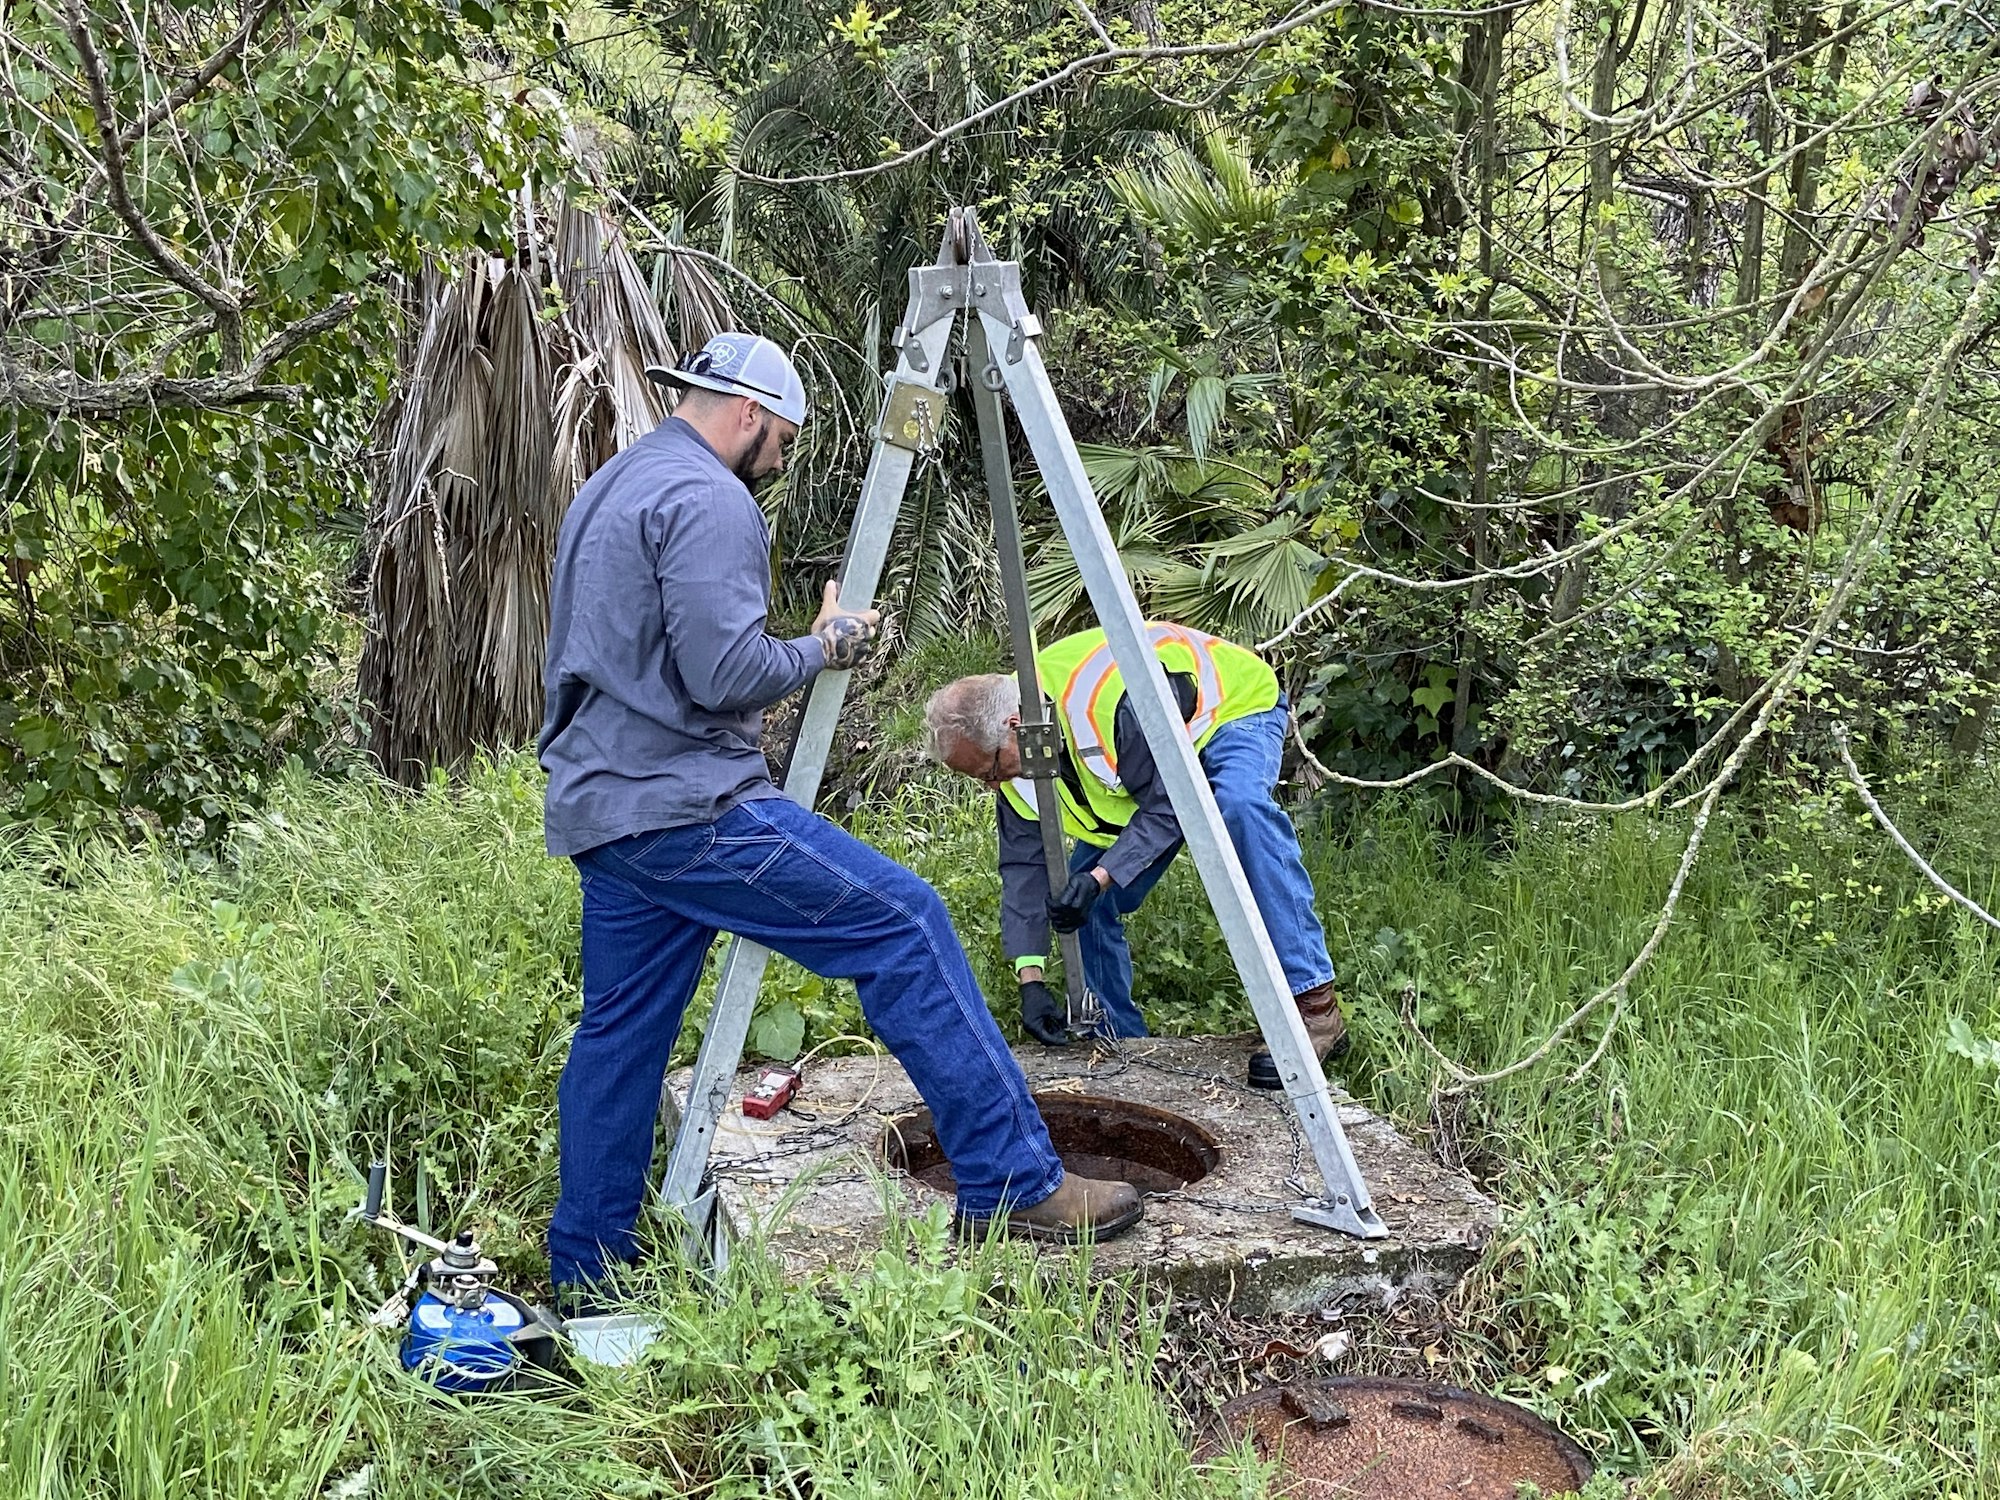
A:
{"x": 1153, "y": 832}
{"x": 659, "y": 665}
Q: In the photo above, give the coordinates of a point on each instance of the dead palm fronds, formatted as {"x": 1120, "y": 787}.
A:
{"x": 518, "y": 391}
{"x": 614, "y": 330}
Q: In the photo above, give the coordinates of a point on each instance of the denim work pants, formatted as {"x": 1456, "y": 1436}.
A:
{"x": 784, "y": 877}
{"x": 1242, "y": 762}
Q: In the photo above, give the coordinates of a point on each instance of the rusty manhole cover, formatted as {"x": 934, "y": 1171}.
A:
{"x": 1155, "y": 1150}
{"x": 1368, "y": 1438}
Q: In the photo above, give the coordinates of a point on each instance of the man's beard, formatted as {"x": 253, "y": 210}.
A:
{"x": 745, "y": 466}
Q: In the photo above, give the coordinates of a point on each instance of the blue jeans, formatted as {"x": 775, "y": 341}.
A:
{"x": 784, "y": 877}
{"x": 1242, "y": 762}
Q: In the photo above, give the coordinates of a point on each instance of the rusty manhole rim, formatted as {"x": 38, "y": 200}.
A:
{"x": 1233, "y": 1421}
{"x": 918, "y": 1128}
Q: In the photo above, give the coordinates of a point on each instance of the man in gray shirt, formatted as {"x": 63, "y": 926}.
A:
{"x": 659, "y": 669}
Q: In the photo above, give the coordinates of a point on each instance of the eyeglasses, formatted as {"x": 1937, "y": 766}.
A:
{"x": 994, "y": 775}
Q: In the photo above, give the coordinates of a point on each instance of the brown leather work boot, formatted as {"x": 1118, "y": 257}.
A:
{"x": 1319, "y": 1007}
{"x": 1080, "y": 1205}
{"x": 1326, "y": 1029}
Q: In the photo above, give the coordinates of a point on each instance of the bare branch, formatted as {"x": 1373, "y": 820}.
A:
{"x": 227, "y": 310}
{"x": 149, "y": 388}
{"x": 1860, "y": 784}
{"x": 202, "y": 77}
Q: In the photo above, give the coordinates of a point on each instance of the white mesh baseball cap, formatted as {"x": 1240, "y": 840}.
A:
{"x": 742, "y": 364}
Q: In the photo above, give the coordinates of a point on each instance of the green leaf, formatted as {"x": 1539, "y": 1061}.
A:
{"x": 1206, "y": 398}
{"x": 1980, "y": 1051}
{"x": 1432, "y": 699}
{"x": 779, "y": 1032}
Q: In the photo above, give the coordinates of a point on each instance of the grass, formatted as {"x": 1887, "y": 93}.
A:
{"x": 1752, "y": 1254}
{"x": 1759, "y": 1239}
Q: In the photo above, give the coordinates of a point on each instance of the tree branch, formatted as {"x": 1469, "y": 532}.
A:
{"x": 227, "y": 310}
{"x": 151, "y": 388}
{"x": 203, "y": 76}
{"x": 1860, "y": 784}
{"x": 1111, "y": 57}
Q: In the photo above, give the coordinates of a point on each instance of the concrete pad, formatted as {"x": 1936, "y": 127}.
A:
{"x": 813, "y": 1178}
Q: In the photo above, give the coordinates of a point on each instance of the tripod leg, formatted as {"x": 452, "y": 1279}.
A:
{"x": 680, "y": 1193}
{"x": 1084, "y": 1012}
{"x": 1348, "y": 1206}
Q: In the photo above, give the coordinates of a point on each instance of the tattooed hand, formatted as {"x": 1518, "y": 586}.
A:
{"x": 847, "y": 636}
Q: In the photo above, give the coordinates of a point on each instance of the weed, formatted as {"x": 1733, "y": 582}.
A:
{"x": 1749, "y": 1257}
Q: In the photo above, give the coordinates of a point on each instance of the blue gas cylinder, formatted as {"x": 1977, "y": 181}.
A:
{"x": 460, "y": 1349}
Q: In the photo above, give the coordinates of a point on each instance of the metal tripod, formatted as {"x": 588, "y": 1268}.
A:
{"x": 1003, "y": 354}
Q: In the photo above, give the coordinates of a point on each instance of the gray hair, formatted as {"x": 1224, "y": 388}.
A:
{"x": 974, "y": 710}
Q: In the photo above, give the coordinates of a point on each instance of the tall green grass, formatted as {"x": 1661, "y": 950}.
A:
{"x": 1759, "y": 1238}
{"x": 197, "y": 1062}
{"x": 1752, "y": 1253}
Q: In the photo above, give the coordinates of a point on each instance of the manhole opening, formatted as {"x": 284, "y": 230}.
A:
{"x": 1155, "y": 1150}
{"x": 1364, "y": 1437}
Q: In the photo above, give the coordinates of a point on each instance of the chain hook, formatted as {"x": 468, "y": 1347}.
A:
{"x": 929, "y": 448}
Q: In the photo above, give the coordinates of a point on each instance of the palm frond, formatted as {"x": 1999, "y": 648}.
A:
{"x": 1194, "y": 196}
{"x": 504, "y": 412}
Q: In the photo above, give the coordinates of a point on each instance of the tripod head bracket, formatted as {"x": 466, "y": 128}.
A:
{"x": 913, "y": 416}
{"x": 936, "y": 293}
{"x": 966, "y": 275}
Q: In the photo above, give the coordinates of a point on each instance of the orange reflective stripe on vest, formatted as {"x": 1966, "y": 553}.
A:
{"x": 1089, "y": 719}
{"x": 1230, "y": 683}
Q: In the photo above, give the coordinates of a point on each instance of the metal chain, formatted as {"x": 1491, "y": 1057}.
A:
{"x": 818, "y": 1135}
{"x": 1295, "y": 1179}
{"x": 930, "y": 447}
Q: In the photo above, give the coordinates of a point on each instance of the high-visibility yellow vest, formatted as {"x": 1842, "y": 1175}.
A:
{"x": 1078, "y": 674}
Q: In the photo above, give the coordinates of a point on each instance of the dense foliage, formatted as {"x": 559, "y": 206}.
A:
{"x": 1611, "y": 386}
{"x": 1601, "y": 374}
{"x": 205, "y": 218}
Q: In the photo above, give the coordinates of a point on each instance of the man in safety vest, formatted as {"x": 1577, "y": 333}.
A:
{"x": 1115, "y": 807}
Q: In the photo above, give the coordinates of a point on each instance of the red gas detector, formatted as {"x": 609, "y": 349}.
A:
{"x": 772, "y": 1092}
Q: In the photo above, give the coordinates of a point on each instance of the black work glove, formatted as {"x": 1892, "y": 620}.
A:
{"x": 848, "y": 641}
{"x": 1044, "y": 1017}
{"x": 1067, "y": 911}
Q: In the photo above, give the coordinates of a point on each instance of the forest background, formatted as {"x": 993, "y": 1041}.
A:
{"x": 1587, "y": 409}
